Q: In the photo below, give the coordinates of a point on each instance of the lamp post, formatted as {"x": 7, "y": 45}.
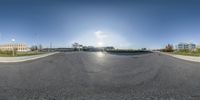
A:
{"x": 13, "y": 40}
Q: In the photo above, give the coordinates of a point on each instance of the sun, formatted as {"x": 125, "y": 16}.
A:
{"x": 99, "y": 44}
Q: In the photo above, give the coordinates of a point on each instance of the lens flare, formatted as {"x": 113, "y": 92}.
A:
{"x": 100, "y": 54}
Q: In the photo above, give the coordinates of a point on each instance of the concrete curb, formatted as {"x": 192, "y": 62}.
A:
{"x": 188, "y": 58}
{"x": 24, "y": 58}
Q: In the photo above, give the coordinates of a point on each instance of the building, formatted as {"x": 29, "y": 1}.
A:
{"x": 89, "y": 48}
{"x": 17, "y": 46}
{"x": 77, "y": 46}
{"x": 108, "y": 48}
{"x": 186, "y": 46}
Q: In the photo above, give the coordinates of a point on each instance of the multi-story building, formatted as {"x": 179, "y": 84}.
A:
{"x": 187, "y": 46}
{"x": 17, "y": 46}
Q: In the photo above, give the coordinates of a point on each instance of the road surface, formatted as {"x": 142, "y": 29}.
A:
{"x": 97, "y": 76}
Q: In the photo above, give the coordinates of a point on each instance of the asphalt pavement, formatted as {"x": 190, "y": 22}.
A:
{"x": 99, "y": 76}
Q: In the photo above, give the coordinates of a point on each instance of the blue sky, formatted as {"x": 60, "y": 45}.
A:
{"x": 121, "y": 23}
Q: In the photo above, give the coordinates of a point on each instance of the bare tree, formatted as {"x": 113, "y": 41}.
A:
{"x": 169, "y": 48}
{"x": 40, "y": 47}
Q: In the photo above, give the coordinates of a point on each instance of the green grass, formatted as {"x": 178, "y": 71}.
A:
{"x": 197, "y": 54}
{"x": 29, "y": 53}
{"x": 18, "y": 54}
{"x": 5, "y": 55}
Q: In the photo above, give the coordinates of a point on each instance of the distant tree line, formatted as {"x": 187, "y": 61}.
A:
{"x": 36, "y": 48}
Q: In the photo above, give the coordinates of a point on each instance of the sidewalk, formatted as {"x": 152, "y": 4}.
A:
{"x": 189, "y": 58}
{"x": 23, "y": 58}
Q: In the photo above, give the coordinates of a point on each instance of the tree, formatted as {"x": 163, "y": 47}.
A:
{"x": 40, "y": 47}
{"x": 169, "y": 48}
{"x": 34, "y": 48}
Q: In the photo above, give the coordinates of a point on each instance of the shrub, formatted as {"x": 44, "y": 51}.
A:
{"x": 184, "y": 50}
{"x": 7, "y": 52}
{"x": 198, "y": 50}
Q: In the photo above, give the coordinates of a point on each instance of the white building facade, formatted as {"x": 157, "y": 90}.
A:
{"x": 17, "y": 46}
{"x": 186, "y": 46}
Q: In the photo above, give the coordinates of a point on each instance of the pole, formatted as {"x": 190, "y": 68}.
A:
{"x": 13, "y": 40}
{"x": 36, "y": 43}
{"x": 50, "y": 46}
{"x": 13, "y": 50}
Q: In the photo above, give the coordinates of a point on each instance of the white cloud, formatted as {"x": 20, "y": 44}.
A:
{"x": 100, "y": 35}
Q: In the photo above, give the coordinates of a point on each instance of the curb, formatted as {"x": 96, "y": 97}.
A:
{"x": 24, "y": 58}
{"x": 188, "y": 58}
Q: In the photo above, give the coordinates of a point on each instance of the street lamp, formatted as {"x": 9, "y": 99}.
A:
{"x": 13, "y": 40}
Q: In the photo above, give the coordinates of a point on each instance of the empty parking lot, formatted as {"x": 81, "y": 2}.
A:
{"x": 101, "y": 76}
